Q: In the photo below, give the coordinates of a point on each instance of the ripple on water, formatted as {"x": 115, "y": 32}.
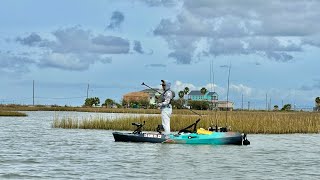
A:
{"x": 31, "y": 149}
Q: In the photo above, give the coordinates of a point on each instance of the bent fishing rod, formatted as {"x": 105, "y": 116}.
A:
{"x": 143, "y": 84}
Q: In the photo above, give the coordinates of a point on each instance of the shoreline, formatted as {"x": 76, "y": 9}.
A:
{"x": 127, "y": 110}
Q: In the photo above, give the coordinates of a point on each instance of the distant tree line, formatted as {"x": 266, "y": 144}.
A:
{"x": 143, "y": 103}
{"x": 180, "y": 103}
{"x": 95, "y": 101}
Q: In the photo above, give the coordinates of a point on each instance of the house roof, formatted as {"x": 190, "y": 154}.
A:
{"x": 198, "y": 93}
{"x": 212, "y": 93}
{"x": 195, "y": 93}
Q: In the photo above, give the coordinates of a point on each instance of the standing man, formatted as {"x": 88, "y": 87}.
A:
{"x": 165, "y": 105}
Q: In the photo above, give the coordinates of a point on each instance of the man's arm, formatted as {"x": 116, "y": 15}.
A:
{"x": 167, "y": 99}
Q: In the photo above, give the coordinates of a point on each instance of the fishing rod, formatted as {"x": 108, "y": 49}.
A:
{"x": 143, "y": 84}
{"x": 228, "y": 95}
{"x": 213, "y": 90}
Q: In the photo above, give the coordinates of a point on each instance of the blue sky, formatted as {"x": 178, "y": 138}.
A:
{"x": 272, "y": 46}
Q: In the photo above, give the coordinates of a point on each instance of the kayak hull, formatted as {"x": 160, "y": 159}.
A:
{"x": 216, "y": 138}
{"x": 143, "y": 137}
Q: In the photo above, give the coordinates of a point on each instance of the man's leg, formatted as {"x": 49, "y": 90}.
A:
{"x": 165, "y": 115}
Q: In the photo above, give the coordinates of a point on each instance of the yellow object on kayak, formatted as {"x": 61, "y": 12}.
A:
{"x": 203, "y": 131}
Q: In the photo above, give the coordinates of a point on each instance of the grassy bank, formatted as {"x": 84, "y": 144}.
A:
{"x": 248, "y": 122}
{"x": 12, "y": 113}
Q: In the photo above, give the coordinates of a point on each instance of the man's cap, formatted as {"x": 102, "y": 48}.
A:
{"x": 163, "y": 82}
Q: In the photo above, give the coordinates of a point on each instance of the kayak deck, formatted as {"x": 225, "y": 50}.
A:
{"x": 217, "y": 138}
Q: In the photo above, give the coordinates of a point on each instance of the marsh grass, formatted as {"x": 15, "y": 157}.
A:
{"x": 246, "y": 122}
{"x": 12, "y": 113}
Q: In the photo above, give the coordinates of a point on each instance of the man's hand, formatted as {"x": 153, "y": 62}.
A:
{"x": 159, "y": 104}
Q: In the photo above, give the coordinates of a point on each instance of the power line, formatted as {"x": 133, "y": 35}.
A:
{"x": 88, "y": 91}
{"x": 60, "y": 97}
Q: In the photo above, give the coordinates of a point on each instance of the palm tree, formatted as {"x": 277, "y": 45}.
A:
{"x": 286, "y": 107}
{"x": 203, "y": 91}
{"x": 108, "y": 103}
{"x": 181, "y": 94}
{"x": 186, "y": 90}
{"x": 317, "y": 100}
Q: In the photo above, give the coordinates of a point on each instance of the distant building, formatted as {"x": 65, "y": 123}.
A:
{"x": 152, "y": 94}
{"x": 147, "y": 95}
{"x": 135, "y": 96}
{"x": 198, "y": 96}
{"x": 224, "y": 105}
{"x": 212, "y": 97}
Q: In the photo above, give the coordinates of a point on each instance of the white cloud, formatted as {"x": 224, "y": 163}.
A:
{"x": 240, "y": 88}
{"x": 77, "y": 40}
{"x": 179, "y": 86}
{"x": 70, "y": 61}
{"x": 241, "y": 28}
{"x": 74, "y": 48}
{"x": 11, "y": 63}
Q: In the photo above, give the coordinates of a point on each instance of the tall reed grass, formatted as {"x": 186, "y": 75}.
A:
{"x": 246, "y": 122}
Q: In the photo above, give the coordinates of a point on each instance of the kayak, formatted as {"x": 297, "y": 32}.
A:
{"x": 216, "y": 138}
{"x": 196, "y": 136}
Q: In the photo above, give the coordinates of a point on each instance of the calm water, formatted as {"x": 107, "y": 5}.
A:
{"x": 31, "y": 149}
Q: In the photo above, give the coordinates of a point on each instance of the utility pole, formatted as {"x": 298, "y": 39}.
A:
{"x": 242, "y": 102}
{"x": 33, "y": 92}
{"x": 266, "y": 101}
{"x": 213, "y": 81}
{"x": 270, "y": 104}
{"x": 88, "y": 91}
{"x": 248, "y": 105}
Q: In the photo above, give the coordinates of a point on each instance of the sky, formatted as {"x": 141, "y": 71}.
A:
{"x": 271, "y": 46}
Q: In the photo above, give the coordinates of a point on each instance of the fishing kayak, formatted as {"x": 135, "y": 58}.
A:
{"x": 196, "y": 136}
{"x": 216, "y": 138}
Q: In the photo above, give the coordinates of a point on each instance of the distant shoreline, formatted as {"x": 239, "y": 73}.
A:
{"x": 123, "y": 110}
{"x": 12, "y": 113}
